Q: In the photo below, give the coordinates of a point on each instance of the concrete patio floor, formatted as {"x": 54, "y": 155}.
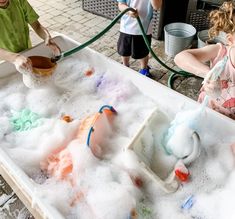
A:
{"x": 68, "y": 17}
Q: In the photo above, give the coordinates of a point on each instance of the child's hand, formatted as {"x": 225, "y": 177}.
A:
{"x": 23, "y": 64}
{"x": 133, "y": 14}
{"x": 53, "y": 46}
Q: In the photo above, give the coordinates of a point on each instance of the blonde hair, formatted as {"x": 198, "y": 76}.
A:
{"x": 222, "y": 19}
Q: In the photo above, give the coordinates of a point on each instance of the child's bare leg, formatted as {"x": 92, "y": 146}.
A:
{"x": 144, "y": 62}
{"x": 126, "y": 60}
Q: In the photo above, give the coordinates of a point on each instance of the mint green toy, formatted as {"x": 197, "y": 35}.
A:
{"x": 25, "y": 120}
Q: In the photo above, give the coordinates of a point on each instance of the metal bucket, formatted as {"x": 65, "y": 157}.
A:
{"x": 203, "y": 38}
{"x": 178, "y": 36}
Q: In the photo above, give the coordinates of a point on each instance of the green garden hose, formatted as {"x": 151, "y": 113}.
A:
{"x": 174, "y": 73}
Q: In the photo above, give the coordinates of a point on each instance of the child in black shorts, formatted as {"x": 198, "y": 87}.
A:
{"x": 131, "y": 42}
{"x": 134, "y": 46}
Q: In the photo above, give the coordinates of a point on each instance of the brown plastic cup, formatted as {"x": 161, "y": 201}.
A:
{"x": 42, "y": 66}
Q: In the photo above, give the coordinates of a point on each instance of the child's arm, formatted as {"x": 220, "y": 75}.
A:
{"x": 193, "y": 60}
{"x": 21, "y": 62}
{"x": 156, "y": 4}
{"x": 8, "y": 56}
{"x": 44, "y": 34}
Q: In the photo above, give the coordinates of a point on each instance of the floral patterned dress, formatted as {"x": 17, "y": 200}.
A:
{"x": 225, "y": 101}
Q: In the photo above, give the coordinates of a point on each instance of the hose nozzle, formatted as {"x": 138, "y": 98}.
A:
{"x": 56, "y": 58}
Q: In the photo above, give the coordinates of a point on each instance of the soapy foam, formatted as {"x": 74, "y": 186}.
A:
{"x": 105, "y": 188}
